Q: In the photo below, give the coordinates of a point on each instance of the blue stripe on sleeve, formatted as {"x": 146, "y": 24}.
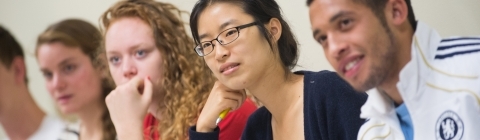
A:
{"x": 462, "y": 38}
{"x": 457, "y": 45}
{"x": 455, "y": 53}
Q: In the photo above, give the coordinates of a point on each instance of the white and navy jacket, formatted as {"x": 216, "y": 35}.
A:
{"x": 440, "y": 87}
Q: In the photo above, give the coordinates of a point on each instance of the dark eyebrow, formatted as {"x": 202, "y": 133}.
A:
{"x": 219, "y": 28}
{"x": 61, "y": 63}
{"x": 226, "y": 24}
{"x": 338, "y": 15}
{"x": 66, "y": 61}
{"x": 332, "y": 19}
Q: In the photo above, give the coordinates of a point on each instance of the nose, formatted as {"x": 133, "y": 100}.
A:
{"x": 337, "y": 47}
{"x": 129, "y": 69}
{"x": 58, "y": 83}
{"x": 221, "y": 53}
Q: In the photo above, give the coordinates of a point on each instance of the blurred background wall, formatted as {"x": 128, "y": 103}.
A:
{"x": 26, "y": 19}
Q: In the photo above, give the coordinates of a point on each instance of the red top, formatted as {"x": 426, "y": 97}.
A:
{"x": 231, "y": 126}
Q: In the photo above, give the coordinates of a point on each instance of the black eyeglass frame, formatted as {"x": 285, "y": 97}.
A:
{"x": 238, "y": 28}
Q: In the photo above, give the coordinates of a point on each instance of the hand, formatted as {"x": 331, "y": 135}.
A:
{"x": 128, "y": 105}
{"x": 220, "y": 98}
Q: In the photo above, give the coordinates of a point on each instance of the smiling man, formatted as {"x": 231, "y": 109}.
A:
{"x": 420, "y": 85}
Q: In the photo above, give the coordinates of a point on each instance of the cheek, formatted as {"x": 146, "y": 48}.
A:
{"x": 210, "y": 61}
{"x": 116, "y": 74}
{"x": 152, "y": 67}
{"x": 330, "y": 59}
{"x": 88, "y": 82}
{"x": 50, "y": 87}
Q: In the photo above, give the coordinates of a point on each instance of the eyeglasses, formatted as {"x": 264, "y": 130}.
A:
{"x": 225, "y": 37}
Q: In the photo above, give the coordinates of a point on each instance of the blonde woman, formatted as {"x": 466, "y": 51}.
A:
{"x": 66, "y": 53}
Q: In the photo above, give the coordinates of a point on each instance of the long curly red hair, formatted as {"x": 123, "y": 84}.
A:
{"x": 187, "y": 80}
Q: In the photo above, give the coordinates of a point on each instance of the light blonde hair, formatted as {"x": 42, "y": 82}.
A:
{"x": 187, "y": 81}
{"x": 81, "y": 34}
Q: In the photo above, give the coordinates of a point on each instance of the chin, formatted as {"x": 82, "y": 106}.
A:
{"x": 359, "y": 87}
{"x": 234, "y": 84}
{"x": 67, "y": 110}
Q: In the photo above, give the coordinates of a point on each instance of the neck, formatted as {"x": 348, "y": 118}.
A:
{"x": 91, "y": 122}
{"x": 20, "y": 120}
{"x": 403, "y": 42}
{"x": 156, "y": 106}
{"x": 277, "y": 93}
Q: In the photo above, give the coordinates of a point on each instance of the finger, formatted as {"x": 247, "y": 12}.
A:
{"x": 236, "y": 96}
{"x": 136, "y": 83}
{"x": 148, "y": 90}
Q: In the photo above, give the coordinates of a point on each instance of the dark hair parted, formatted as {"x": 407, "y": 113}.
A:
{"x": 377, "y": 6}
{"x": 262, "y": 11}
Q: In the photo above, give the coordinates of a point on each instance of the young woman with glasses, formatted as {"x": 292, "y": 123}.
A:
{"x": 249, "y": 47}
{"x": 161, "y": 84}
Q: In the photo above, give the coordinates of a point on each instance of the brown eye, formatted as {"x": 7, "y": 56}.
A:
{"x": 231, "y": 32}
{"x": 206, "y": 45}
{"x": 322, "y": 39}
{"x": 345, "y": 24}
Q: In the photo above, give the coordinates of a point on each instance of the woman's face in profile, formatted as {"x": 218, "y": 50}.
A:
{"x": 132, "y": 52}
{"x": 70, "y": 77}
{"x": 238, "y": 64}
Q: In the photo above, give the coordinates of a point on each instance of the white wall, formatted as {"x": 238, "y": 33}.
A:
{"x": 28, "y": 18}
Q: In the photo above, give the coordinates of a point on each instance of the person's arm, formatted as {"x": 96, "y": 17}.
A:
{"x": 220, "y": 98}
{"x": 128, "y": 107}
{"x": 194, "y": 135}
{"x": 234, "y": 123}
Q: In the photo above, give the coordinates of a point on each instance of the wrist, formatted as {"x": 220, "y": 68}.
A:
{"x": 204, "y": 129}
{"x": 130, "y": 131}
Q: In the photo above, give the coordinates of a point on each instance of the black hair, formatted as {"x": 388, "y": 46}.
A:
{"x": 9, "y": 48}
{"x": 377, "y": 6}
{"x": 262, "y": 11}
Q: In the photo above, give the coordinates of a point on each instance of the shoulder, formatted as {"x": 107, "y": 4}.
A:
{"x": 258, "y": 125}
{"x": 55, "y": 128}
{"x": 458, "y": 55}
{"x": 331, "y": 106}
{"x": 260, "y": 116}
{"x": 457, "y": 46}
{"x": 329, "y": 85}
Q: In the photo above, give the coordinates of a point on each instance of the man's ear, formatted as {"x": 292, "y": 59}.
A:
{"x": 19, "y": 69}
{"x": 274, "y": 27}
{"x": 397, "y": 11}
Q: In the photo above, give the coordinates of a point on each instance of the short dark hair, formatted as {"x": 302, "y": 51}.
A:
{"x": 9, "y": 48}
{"x": 262, "y": 11}
{"x": 377, "y": 7}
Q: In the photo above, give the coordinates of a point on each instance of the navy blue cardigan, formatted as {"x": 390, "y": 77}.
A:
{"x": 331, "y": 112}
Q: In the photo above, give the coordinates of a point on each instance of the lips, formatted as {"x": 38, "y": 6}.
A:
{"x": 350, "y": 65}
{"x": 64, "y": 99}
{"x": 228, "y": 68}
